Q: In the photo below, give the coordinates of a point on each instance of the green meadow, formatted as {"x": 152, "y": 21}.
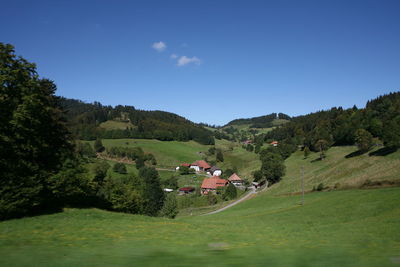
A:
{"x": 337, "y": 228}
{"x": 338, "y": 171}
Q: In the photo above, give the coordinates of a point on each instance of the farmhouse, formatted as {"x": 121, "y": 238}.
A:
{"x": 274, "y": 143}
{"x": 211, "y": 184}
{"x": 215, "y": 171}
{"x": 200, "y": 165}
{"x": 235, "y": 180}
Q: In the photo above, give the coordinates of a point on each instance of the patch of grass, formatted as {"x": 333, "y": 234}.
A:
{"x": 116, "y": 125}
{"x": 338, "y": 228}
{"x": 336, "y": 169}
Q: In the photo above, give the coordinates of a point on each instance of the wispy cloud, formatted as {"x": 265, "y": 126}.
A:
{"x": 159, "y": 46}
{"x": 184, "y": 60}
{"x": 174, "y": 56}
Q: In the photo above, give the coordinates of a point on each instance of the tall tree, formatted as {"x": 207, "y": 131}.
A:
{"x": 363, "y": 140}
{"x": 170, "y": 207}
{"x": 34, "y": 141}
{"x": 272, "y": 167}
{"x": 220, "y": 156}
{"x": 98, "y": 145}
{"x": 153, "y": 194}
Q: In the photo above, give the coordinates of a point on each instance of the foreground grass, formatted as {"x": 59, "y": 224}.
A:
{"x": 347, "y": 228}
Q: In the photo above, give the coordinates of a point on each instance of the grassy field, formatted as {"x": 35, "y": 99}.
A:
{"x": 338, "y": 228}
{"x": 337, "y": 169}
{"x": 168, "y": 153}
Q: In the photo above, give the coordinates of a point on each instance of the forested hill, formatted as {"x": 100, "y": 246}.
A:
{"x": 266, "y": 121}
{"x": 337, "y": 126}
{"x": 90, "y": 121}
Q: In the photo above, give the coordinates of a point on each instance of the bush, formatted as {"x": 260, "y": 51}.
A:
{"x": 230, "y": 192}
{"x": 170, "y": 207}
{"x": 320, "y": 187}
{"x": 120, "y": 168}
{"x": 212, "y": 199}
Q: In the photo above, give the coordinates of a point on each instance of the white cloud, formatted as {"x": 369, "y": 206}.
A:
{"x": 159, "y": 46}
{"x": 184, "y": 60}
{"x": 174, "y": 56}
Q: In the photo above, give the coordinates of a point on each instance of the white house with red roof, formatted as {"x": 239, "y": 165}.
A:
{"x": 200, "y": 165}
{"x": 235, "y": 180}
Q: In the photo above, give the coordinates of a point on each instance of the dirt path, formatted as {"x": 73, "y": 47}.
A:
{"x": 246, "y": 196}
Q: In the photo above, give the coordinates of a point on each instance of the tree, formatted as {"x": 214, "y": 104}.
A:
{"x": 100, "y": 171}
{"x": 139, "y": 163}
{"x": 85, "y": 150}
{"x": 98, "y": 146}
{"x": 212, "y": 199}
{"x": 257, "y": 176}
{"x": 153, "y": 194}
{"x": 170, "y": 207}
{"x": 306, "y": 152}
{"x": 230, "y": 192}
{"x": 272, "y": 167}
{"x": 120, "y": 168}
{"x": 322, "y": 146}
{"x": 363, "y": 140}
{"x": 220, "y": 156}
{"x": 34, "y": 140}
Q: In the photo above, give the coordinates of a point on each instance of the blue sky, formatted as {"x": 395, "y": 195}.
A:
{"x": 211, "y": 61}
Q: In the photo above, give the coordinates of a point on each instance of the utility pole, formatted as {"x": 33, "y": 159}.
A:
{"x": 302, "y": 185}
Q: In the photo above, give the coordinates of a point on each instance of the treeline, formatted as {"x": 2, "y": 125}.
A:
{"x": 42, "y": 168}
{"x": 337, "y": 126}
{"x": 84, "y": 120}
{"x": 261, "y": 121}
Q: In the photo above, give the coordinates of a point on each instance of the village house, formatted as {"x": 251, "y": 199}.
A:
{"x": 200, "y": 165}
{"x": 215, "y": 171}
{"x": 235, "y": 180}
{"x": 212, "y": 184}
{"x": 274, "y": 143}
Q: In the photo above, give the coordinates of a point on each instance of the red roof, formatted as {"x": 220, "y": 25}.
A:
{"x": 274, "y": 142}
{"x": 201, "y": 164}
{"x": 234, "y": 177}
{"x": 213, "y": 182}
{"x": 185, "y": 165}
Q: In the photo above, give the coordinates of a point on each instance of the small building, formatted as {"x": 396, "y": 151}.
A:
{"x": 235, "y": 180}
{"x": 200, "y": 165}
{"x": 215, "y": 171}
{"x": 274, "y": 143}
{"x": 212, "y": 184}
{"x": 186, "y": 190}
{"x": 247, "y": 142}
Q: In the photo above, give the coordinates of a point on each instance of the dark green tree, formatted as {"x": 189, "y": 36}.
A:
{"x": 153, "y": 194}
{"x": 170, "y": 207}
{"x": 363, "y": 139}
{"x": 98, "y": 146}
{"x": 220, "y": 156}
{"x": 100, "y": 171}
{"x": 120, "y": 168}
{"x": 139, "y": 163}
{"x": 257, "y": 175}
{"x": 272, "y": 167}
{"x": 230, "y": 192}
{"x": 34, "y": 140}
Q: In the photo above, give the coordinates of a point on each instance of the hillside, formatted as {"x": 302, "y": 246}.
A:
{"x": 345, "y": 228}
{"x": 172, "y": 153}
{"x": 88, "y": 121}
{"x": 266, "y": 121}
{"x": 338, "y": 171}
